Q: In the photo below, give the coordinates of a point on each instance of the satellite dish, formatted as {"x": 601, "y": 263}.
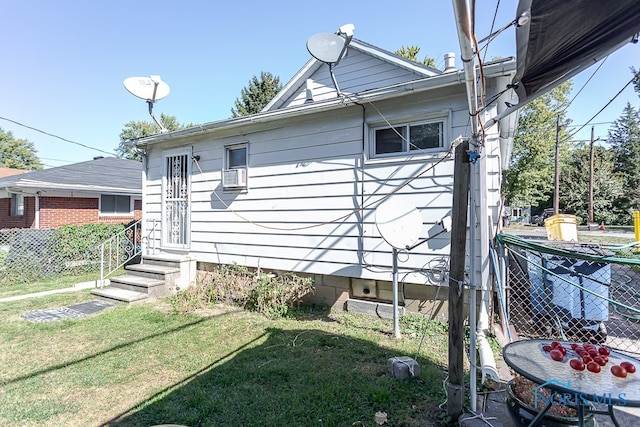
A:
{"x": 399, "y": 224}
{"x": 330, "y": 48}
{"x": 151, "y": 89}
{"x": 326, "y": 47}
{"x": 148, "y": 88}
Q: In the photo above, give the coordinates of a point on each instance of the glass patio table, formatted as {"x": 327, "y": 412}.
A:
{"x": 528, "y": 359}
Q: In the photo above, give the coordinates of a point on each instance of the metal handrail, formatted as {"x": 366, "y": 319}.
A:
{"x": 120, "y": 249}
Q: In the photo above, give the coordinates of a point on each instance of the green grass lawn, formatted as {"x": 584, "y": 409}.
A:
{"x": 141, "y": 365}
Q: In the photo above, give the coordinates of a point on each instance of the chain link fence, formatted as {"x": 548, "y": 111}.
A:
{"x": 574, "y": 292}
{"x": 28, "y": 255}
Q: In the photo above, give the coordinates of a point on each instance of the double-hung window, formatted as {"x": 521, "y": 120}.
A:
{"x": 234, "y": 174}
{"x": 115, "y": 205}
{"x": 17, "y": 205}
{"x": 405, "y": 138}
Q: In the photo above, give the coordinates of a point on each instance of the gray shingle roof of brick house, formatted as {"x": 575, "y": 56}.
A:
{"x": 105, "y": 175}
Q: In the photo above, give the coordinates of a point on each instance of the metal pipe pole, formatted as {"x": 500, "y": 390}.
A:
{"x": 591, "y": 176}
{"x": 396, "y": 322}
{"x": 556, "y": 191}
{"x": 465, "y": 32}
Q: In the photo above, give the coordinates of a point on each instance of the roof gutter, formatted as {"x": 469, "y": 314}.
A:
{"x": 415, "y": 86}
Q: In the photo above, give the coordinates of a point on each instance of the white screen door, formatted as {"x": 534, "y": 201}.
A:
{"x": 176, "y": 192}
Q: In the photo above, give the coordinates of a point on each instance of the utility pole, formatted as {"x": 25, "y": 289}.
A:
{"x": 556, "y": 191}
{"x": 455, "y": 386}
{"x": 591, "y": 176}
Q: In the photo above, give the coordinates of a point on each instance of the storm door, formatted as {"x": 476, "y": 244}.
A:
{"x": 175, "y": 199}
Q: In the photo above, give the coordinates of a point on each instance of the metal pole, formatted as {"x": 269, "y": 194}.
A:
{"x": 591, "y": 175}
{"x": 556, "y": 191}
{"x": 396, "y": 321}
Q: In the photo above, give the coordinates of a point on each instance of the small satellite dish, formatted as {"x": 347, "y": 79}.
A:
{"x": 326, "y": 47}
{"x": 330, "y": 48}
{"x": 151, "y": 89}
{"x": 399, "y": 224}
{"x": 148, "y": 88}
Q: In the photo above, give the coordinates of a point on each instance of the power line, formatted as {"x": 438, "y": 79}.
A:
{"x": 56, "y": 136}
{"x": 606, "y": 105}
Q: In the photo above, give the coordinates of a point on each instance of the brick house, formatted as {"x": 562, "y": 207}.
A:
{"x": 102, "y": 190}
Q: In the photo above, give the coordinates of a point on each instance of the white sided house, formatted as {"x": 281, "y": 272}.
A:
{"x": 295, "y": 187}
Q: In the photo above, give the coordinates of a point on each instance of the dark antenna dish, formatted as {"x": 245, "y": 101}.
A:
{"x": 151, "y": 89}
{"x": 330, "y": 48}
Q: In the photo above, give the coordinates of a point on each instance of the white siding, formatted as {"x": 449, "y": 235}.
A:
{"x": 312, "y": 190}
{"x": 355, "y": 73}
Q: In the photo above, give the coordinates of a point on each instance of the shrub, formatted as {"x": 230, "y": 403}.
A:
{"x": 268, "y": 294}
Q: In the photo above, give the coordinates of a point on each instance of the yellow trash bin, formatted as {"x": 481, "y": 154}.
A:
{"x": 562, "y": 227}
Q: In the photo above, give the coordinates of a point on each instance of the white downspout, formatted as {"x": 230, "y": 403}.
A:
{"x": 37, "y": 217}
{"x": 463, "y": 23}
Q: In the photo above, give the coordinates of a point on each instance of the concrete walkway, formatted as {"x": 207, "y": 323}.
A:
{"x": 76, "y": 287}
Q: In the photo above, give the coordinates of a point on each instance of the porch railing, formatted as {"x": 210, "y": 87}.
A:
{"x": 120, "y": 249}
{"x": 125, "y": 246}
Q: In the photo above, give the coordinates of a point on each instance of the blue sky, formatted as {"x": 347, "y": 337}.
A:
{"x": 64, "y": 62}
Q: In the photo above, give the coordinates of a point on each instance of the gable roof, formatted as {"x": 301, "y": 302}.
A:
{"x": 102, "y": 175}
{"x": 384, "y": 68}
{"x": 11, "y": 171}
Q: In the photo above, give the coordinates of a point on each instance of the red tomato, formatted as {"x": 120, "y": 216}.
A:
{"x": 604, "y": 351}
{"x": 561, "y": 349}
{"x": 554, "y": 344}
{"x": 556, "y": 355}
{"x": 619, "y": 371}
{"x": 629, "y": 367}
{"x": 587, "y": 359}
{"x": 577, "y": 364}
{"x": 592, "y": 352}
{"x": 600, "y": 360}
{"x": 574, "y": 346}
{"x": 547, "y": 348}
{"x": 593, "y": 367}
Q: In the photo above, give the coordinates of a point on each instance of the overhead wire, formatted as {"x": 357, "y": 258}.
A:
{"x": 58, "y": 137}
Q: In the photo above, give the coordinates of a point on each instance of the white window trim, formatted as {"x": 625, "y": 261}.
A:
{"x": 15, "y": 198}
{"x": 226, "y": 166}
{"x": 229, "y": 147}
{"x": 441, "y": 116}
{"x": 131, "y": 206}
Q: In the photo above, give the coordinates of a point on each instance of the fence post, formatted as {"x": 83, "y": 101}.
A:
{"x": 102, "y": 265}
{"x": 636, "y": 225}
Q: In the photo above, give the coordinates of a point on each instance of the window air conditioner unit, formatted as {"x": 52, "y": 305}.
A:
{"x": 234, "y": 178}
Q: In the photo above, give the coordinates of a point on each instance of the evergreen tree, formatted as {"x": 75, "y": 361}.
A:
{"x": 608, "y": 185}
{"x": 254, "y": 97}
{"x": 624, "y": 137}
{"x": 135, "y": 130}
{"x": 17, "y": 153}
{"x": 529, "y": 181}
{"x": 411, "y": 53}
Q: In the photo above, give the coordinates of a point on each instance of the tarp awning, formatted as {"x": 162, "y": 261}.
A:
{"x": 563, "y": 38}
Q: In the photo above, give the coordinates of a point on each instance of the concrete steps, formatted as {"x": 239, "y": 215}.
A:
{"x": 155, "y": 277}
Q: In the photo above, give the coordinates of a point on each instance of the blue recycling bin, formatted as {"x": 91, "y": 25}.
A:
{"x": 554, "y": 287}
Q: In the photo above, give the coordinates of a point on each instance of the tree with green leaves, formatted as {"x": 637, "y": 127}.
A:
{"x": 624, "y": 137}
{"x": 135, "y": 130}
{"x": 529, "y": 181}
{"x": 608, "y": 186}
{"x": 411, "y": 53}
{"x": 17, "y": 153}
{"x": 255, "y": 96}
